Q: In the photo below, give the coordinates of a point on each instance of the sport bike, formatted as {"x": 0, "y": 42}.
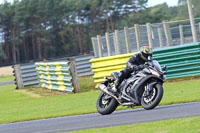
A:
{"x": 142, "y": 88}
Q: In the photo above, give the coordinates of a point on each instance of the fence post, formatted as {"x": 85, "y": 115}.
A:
{"x": 93, "y": 45}
{"x": 192, "y": 23}
{"x": 128, "y": 49}
{"x": 160, "y": 37}
{"x": 73, "y": 72}
{"x": 117, "y": 47}
{"x": 181, "y": 34}
{"x": 18, "y": 78}
{"x": 99, "y": 45}
{"x": 137, "y": 35}
{"x": 167, "y": 33}
{"x": 108, "y": 43}
{"x": 149, "y": 34}
{"x": 199, "y": 26}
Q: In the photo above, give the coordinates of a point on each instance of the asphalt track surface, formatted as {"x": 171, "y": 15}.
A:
{"x": 125, "y": 117}
{"x": 7, "y": 83}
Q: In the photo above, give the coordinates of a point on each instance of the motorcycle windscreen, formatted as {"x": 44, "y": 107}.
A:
{"x": 157, "y": 65}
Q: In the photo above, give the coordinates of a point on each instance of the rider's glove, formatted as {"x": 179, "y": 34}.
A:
{"x": 140, "y": 67}
{"x": 135, "y": 67}
{"x": 132, "y": 67}
{"x": 146, "y": 65}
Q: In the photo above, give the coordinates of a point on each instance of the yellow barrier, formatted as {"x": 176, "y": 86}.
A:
{"x": 102, "y": 67}
{"x": 55, "y": 76}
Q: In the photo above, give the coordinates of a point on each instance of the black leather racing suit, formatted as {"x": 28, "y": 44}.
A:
{"x": 134, "y": 63}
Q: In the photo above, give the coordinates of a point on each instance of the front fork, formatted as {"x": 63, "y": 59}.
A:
{"x": 148, "y": 88}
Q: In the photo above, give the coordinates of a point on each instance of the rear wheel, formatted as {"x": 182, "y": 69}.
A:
{"x": 106, "y": 104}
{"x": 154, "y": 97}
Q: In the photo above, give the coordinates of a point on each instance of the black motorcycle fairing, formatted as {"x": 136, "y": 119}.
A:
{"x": 125, "y": 88}
{"x": 135, "y": 89}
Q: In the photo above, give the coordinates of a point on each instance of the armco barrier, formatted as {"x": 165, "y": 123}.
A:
{"x": 102, "y": 67}
{"x": 56, "y": 75}
{"x": 83, "y": 66}
{"x": 25, "y": 75}
{"x": 181, "y": 60}
{"x": 29, "y": 74}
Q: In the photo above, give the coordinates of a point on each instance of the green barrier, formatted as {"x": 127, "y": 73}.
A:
{"x": 55, "y": 76}
{"x": 182, "y": 61}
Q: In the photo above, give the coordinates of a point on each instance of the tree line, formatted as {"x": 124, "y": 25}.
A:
{"x": 37, "y": 29}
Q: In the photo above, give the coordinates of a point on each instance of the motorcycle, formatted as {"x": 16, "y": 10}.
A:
{"x": 143, "y": 88}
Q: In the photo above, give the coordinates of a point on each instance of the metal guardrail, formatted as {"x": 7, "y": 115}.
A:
{"x": 25, "y": 75}
{"x": 58, "y": 75}
{"x": 55, "y": 75}
{"x": 83, "y": 65}
{"x": 29, "y": 74}
{"x": 183, "y": 61}
{"x": 104, "y": 66}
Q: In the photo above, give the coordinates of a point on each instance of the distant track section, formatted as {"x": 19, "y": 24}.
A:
{"x": 7, "y": 83}
{"x": 125, "y": 117}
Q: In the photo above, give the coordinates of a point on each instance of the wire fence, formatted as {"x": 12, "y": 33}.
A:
{"x": 162, "y": 36}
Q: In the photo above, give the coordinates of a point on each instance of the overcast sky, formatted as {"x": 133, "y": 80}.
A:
{"x": 1, "y": 1}
{"x": 150, "y": 2}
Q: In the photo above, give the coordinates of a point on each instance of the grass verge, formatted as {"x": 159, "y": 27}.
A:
{"x": 86, "y": 83}
{"x": 189, "y": 125}
{"x": 23, "y": 105}
{"x": 6, "y": 79}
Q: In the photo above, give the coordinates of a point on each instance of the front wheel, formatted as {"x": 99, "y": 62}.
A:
{"x": 106, "y": 104}
{"x": 153, "y": 99}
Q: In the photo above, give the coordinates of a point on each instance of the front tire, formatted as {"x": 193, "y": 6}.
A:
{"x": 155, "y": 100}
{"x": 105, "y": 105}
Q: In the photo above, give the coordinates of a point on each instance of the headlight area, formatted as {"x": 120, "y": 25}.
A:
{"x": 155, "y": 73}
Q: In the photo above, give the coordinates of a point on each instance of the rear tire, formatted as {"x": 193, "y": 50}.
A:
{"x": 107, "y": 108}
{"x": 156, "y": 100}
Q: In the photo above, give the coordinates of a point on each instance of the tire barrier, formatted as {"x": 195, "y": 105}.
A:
{"x": 58, "y": 76}
{"x": 182, "y": 61}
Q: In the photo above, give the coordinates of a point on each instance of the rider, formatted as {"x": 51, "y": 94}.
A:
{"x": 136, "y": 62}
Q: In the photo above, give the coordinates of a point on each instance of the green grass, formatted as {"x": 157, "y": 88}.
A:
{"x": 181, "y": 92}
{"x": 6, "y": 79}
{"x": 86, "y": 83}
{"x": 18, "y": 106}
{"x": 189, "y": 125}
{"x": 24, "y": 105}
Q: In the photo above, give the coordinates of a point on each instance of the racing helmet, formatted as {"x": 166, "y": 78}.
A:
{"x": 145, "y": 51}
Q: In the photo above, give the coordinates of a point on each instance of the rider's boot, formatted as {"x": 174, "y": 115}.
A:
{"x": 114, "y": 89}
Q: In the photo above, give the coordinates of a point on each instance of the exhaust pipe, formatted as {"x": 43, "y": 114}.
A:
{"x": 104, "y": 89}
